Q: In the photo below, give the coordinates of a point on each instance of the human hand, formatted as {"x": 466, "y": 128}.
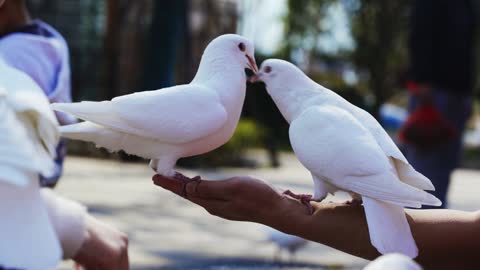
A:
{"x": 104, "y": 247}
{"x": 238, "y": 198}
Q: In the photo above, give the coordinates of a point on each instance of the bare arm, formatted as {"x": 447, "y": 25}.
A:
{"x": 446, "y": 238}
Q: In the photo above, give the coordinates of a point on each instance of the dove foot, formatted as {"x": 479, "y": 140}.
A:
{"x": 186, "y": 180}
{"x": 354, "y": 202}
{"x": 303, "y": 198}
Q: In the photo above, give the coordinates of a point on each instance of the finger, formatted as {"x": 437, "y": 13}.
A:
{"x": 174, "y": 185}
{"x": 193, "y": 191}
{"x": 124, "y": 264}
{"x": 210, "y": 189}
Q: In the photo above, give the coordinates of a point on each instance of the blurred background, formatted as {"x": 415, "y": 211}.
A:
{"x": 357, "y": 48}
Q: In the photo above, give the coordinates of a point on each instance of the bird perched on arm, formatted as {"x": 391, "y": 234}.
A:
{"x": 345, "y": 148}
{"x": 170, "y": 123}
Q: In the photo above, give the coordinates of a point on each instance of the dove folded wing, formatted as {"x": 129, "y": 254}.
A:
{"x": 405, "y": 171}
{"x": 175, "y": 115}
{"x": 333, "y": 144}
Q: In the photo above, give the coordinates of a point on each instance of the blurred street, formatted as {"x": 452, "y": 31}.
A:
{"x": 167, "y": 232}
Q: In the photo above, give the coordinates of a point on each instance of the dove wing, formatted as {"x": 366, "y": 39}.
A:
{"x": 178, "y": 114}
{"x": 332, "y": 144}
{"x": 405, "y": 171}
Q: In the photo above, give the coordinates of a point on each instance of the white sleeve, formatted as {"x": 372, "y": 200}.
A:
{"x": 68, "y": 220}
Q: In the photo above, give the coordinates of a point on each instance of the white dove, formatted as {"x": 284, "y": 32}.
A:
{"x": 180, "y": 121}
{"x": 28, "y": 137}
{"x": 345, "y": 148}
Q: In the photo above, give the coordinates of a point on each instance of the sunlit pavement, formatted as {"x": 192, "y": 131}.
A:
{"x": 167, "y": 232}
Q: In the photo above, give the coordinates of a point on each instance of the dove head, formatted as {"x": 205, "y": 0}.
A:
{"x": 227, "y": 52}
{"x": 287, "y": 85}
{"x": 277, "y": 72}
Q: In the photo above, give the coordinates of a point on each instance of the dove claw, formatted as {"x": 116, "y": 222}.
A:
{"x": 303, "y": 198}
{"x": 354, "y": 202}
{"x": 185, "y": 181}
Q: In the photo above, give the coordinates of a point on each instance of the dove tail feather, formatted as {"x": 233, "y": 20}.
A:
{"x": 85, "y": 109}
{"x": 397, "y": 192}
{"x": 91, "y": 132}
{"x": 410, "y": 176}
{"x": 388, "y": 228}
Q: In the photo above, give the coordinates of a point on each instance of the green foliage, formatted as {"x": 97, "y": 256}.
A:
{"x": 380, "y": 31}
{"x": 303, "y": 24}
{"x": 247, "y": 134}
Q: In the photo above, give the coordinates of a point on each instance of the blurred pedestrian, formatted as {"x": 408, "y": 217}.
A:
{"x": 29, "y": 238}
{"x": 38, "y": 227}
{"x": 441, "y": 74}
{"x": 38, "y": 50}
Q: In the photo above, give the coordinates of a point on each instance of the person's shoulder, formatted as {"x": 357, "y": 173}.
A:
{"x": 38, "y": 35}
{"x": 47, "y": 30}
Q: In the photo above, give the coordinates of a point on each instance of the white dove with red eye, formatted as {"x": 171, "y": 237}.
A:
{"x": 345, "y": 148}
{"x": 170, "y": 123}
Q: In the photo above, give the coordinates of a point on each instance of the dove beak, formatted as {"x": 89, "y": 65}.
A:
{"x": 251, "y": 64}
{"x": 255, "y": 78}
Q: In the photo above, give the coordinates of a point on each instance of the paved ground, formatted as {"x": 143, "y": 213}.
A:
{"x": 167, "y": 232}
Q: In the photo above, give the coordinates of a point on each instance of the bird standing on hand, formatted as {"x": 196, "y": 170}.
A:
{"x": 170, "y": 123}
{"x": 345, "y": 148}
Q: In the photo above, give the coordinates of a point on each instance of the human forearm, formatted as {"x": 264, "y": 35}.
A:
{"x": 68, "y": 220}
{"x": 340, "y": 226}
{"x": 445, "y": 238}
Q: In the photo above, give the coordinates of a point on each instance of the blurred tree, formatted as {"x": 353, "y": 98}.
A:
{"x": 303, "y": 26}
{"x": 167, "y": 31}
{"x": 126, "y": 27}
{"x": 380, "y": 31}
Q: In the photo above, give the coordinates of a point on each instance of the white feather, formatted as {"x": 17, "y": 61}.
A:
{"x": 167, "y": 124}
{"x": 347, "y": 148}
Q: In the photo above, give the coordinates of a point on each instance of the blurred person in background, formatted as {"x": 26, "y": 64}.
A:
{"x": 33, "y": 48}
{"x": 38, "y": 50}
{"x": 441, "y": 78}
{"x": 39, "y": 227}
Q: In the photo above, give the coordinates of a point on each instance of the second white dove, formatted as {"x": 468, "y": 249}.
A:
{"x": 345, "y": 148}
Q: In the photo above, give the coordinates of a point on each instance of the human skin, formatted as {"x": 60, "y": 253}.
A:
{"x": 447, "y": 239}
{"x": 13, "y": 15}
{"x": 104, "y": 247}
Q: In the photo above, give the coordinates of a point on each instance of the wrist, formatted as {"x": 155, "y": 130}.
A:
{"x": 82, "y": 251}
{"x": 288, "y": 215}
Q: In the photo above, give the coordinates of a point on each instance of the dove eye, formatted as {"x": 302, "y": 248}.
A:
{"x": 241, "y": 46}
{"x": 268, "y": 69}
